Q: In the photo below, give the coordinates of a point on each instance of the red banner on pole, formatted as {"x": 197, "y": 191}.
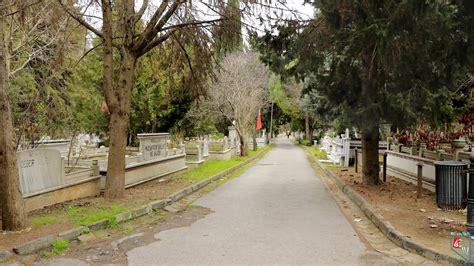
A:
{"x": 259, "y": 121}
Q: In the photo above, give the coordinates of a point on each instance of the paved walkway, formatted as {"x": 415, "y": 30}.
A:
{"x": 277, "y": 212}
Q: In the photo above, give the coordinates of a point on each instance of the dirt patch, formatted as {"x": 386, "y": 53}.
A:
{"x": 111, "y": 246}
{"x": 8, "y": 240}
{"x": 134, "y": 197}
{"x": 417, "y": 218}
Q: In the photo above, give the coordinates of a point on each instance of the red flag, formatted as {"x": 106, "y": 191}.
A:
{"x": 259, "y": 121}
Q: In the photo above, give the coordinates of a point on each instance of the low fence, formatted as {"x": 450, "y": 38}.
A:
{"x": 438, "y": 155}
{"x": 406, "y": 166}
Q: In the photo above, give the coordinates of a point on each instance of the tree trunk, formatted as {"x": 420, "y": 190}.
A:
{"x": 308, "y": 129}
{"x": 118, "y": 127}
{"x": 254, "y": 139}
{"x": 13, "y": 208}
{"x": 370, "y": 156}
{"x": 369, "y": 123}
{"x": 244, "y": 147}
{"x": 115, "y": 182}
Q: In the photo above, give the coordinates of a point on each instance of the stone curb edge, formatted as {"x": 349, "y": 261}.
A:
{"x": 384, "y": 226}
{"x": 72, "y": 234}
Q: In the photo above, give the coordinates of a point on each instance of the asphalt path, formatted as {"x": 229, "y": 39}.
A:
{"x": 277, "y": 212}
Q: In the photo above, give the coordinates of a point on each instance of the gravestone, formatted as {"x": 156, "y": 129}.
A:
{"x": 232, "y": 136}
{"x": 61, "y": 145}
{"x": 40, "y": 169}
{"x": 205, "y": 146}
{"x": 153, "y": 146}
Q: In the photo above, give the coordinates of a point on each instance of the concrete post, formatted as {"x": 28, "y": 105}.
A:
{"x": 438, "y": 154}
{"x": 355, "y": 159}
{"x": 419, "y": 178}
{"x": 95, "y": 168}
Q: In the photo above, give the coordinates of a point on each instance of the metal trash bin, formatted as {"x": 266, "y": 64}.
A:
{"x": 451, "y": 185}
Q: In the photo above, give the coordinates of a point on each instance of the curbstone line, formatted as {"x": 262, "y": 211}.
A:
{"x": 203, "y": 183}
{"x": 72, "y": 233}
{"x": 141, "y": 211}
{"x": 156, "y": 205}
{"x": 35, "y": 245}
{"x": 410, "y": 245}
{"x": 124, "y": 216}
{"x": 87, "y": 238}
{"x": 385, "y": 227}
{"x": 178, "y": 195}
{"x": 5, "y": 255}
{"x": 102, "y": 224}
{"x": 218, "y": 176}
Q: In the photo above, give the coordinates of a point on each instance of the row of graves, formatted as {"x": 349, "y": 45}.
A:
{"x": 342, "y": 149}
{"x": 401, "y": 161}
{"x": 57, "y": 171}
{"x": 198, "y": 150}
{"x": 404, "y": 162}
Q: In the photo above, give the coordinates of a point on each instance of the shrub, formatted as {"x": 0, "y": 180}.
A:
{"x": 305, "y": 142}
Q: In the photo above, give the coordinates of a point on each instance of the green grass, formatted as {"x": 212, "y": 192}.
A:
{"x": 58, "y": 247}
{"x": 86, "y": 216}
{"x": 321, "y": 155}
{"x": 212, "y": 167}
{"x": 333, "y": 167}
{"x": 43, "y": 220}
{"x": 304, "y": 142}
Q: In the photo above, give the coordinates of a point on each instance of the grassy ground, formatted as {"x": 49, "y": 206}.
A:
{"x": 212, "y": 167}
{"x": 320, "y": 154}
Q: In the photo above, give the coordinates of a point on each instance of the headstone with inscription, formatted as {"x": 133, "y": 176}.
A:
{"x": 153, "y": 145}
{"x": 40, "y": 169}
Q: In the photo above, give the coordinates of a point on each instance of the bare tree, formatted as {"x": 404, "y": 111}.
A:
{"x": 239, "y": 90}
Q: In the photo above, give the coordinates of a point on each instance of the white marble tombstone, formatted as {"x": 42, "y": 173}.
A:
{"x": 61, "y": 145}
{"x": 40, "y": 169}
{"x": 153, "y": 146}
{"x": 205, "y": 147}
{"x": 232, "y": 136}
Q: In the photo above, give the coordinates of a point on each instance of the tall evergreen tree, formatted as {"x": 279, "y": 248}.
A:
{"x": 228, "y": 33}
{"x": 379, "y": 60}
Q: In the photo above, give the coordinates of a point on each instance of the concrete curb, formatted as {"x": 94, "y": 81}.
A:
{"x": 384, "y": 226}
{"x": 73, "y": 234}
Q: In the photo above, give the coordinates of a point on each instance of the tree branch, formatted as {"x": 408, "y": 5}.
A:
{"x": 87, "y": 53}
{"x": 192, "y": 23}
{"x": 155, "y": 42}
{"x": 140, "y": 12}
{"x": 81, "y": 20}
{"x": 147, "y": 33}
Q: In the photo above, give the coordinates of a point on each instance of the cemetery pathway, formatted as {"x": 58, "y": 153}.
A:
{"x": 277, "y": 212}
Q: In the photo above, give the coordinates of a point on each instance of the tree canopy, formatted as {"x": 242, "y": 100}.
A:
{"x": 377, "y": 60}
